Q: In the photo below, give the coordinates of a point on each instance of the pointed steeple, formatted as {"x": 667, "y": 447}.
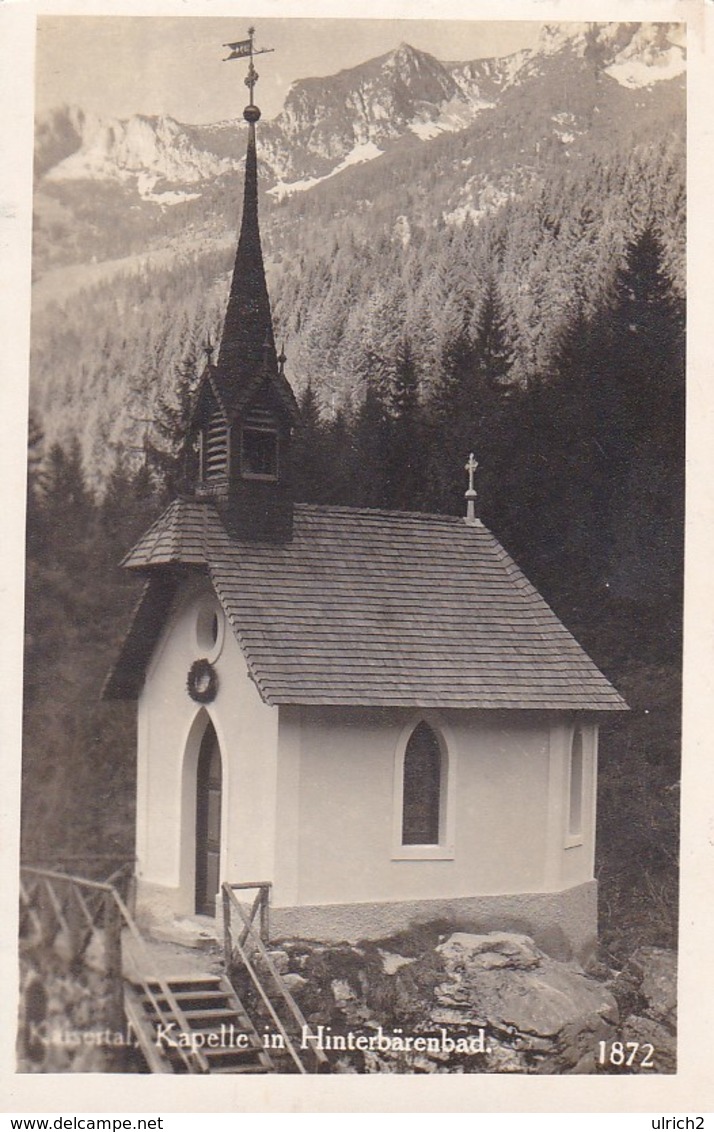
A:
{"x": 245, "y": 409}
{"x": 247, "y": 353}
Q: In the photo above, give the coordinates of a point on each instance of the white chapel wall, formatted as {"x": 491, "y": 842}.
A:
{"x": 504, "y": 823}
{"x": 170, "y": 728}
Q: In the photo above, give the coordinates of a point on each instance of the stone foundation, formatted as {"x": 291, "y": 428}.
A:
{"x": 563, "y": 924}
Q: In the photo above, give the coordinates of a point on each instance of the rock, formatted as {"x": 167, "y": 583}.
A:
{"x": 658, "y": 985}
{"x": 538, "y": 1015}
{"x": 625, "y": 987}
{"x": 64, "y": 946}
{"x": 586, "y": 1064}
{"x": 647, "y": 1031}
{"x": 280, "y": 960}
{"x": 342, "y": 992}
{"x": 294, "y": 982}
{"x": 529, "y": 992}
{"x": 547, "y": 1010}
{"x": 505, "y": 1059}
{"x": 391, "y": 962}
{"x": 497, "y": 949}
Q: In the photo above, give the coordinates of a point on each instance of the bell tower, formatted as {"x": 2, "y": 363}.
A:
{"x": 245, "y": 410}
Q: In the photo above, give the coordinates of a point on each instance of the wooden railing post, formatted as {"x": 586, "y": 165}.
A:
{"x": 112, "y": 961}
{"x": 249, "y": 949}
{"x": 265, "y": 913}
{"x": 227, "y": 937}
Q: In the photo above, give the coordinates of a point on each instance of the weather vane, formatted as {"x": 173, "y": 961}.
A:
{"x": 244, "y": 50}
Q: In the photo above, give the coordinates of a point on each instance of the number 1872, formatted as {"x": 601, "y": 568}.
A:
{"x": 640, "y": 1054}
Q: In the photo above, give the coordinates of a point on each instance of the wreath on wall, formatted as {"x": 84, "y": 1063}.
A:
{"x": 202, "y": 681}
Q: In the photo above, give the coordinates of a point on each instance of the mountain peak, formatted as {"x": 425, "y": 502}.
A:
{"x": 406, "y": 51}
{"x": 413, "y": 57}
{"x": 330, "y": 123}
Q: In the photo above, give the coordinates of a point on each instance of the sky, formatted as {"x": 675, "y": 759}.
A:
{"x": 118, "y": 66}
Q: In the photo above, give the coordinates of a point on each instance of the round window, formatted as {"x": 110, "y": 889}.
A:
{"x": 209, "y": 628}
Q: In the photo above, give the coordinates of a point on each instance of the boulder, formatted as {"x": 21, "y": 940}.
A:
{"x": 391, "y": 962}
{"x": 489, "y": 1003}
{"x": 293, "y": 981}
{"x": 648, "y": 1032}
{"x": 280, "y": 960}
{"x": 497, "y": 949}
{"x": 657, "y": 971}
{"x": 549, "y": 1011}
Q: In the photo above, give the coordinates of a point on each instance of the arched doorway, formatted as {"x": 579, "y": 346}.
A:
{"x": 208, "y": 823}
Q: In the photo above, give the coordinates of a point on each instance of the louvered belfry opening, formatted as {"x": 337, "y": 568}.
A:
{"x": 215, "y": 449}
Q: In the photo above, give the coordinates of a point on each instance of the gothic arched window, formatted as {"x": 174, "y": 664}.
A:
{"x": 422, "y": 788}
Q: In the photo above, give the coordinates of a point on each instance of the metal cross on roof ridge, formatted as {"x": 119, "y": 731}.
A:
{"x": 471, "y": 466}
{"x": 471, "y": 494}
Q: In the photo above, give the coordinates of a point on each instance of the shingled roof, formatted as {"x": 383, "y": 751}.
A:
{"x": 377, "y": 608}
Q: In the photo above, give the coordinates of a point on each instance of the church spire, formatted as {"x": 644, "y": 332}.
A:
{"x": 245, "y": 410}
{"x": 247, "y": 351}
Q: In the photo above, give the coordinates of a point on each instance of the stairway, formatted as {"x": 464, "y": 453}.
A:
{"x": 194, "y": 1024}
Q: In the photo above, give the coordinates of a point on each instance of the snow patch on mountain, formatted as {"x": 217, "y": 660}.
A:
{"x": 635, "y": 55}
{"x": 328, "y": 124}
{"x": 364, "y": 151}
{"x": 453, "y": 115}
{"x": 655, "y": 53}
{"x": 636, "y": 73}
{"x": 139, "y": 147}
{"x": 565, "y": 127}
{"x": 146, "y": 186}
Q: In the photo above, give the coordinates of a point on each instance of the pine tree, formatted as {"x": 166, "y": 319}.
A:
{"x": 639, "y": 403}
{"x": 490, "y": 336}
{"x": 170, "y": 454}
{"x": 68, "y": 505}
{"x": 404, "y": 434}
{"x": 35, "y": 487}
{"x": 369, "y": 446}
{"x": 311, "y": 471}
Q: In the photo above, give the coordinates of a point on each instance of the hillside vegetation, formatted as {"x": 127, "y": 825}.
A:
{"x": 513, "y": 288}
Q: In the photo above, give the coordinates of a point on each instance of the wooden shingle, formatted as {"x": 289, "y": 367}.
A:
{"x": 382, "y": 608}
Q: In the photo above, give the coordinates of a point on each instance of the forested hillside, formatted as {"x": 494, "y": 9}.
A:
{"x": 540, "y": 195}
{"x": 513, "y": 288}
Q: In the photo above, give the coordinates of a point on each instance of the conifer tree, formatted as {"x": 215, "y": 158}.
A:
{"x": 68, "y": 505}
{"x": 370, "y": 486}
{"x": 169, "y": 451}
{"x": 35, "y": 486}
{"x": 404, "y": 434}
{"x": 311, "y": 471}
{"x": 490, "y": 336}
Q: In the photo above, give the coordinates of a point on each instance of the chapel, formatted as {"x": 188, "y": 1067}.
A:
{"x": 374, "y": 712}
